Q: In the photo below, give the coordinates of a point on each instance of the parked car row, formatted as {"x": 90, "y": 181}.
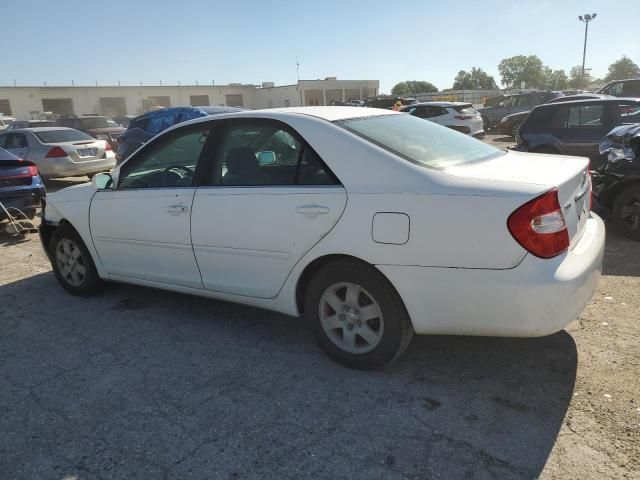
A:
{"x": 458, "y": 116}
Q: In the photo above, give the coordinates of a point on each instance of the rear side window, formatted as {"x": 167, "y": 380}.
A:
{"x": 59, "y": 136}
{"x": 585, "y": 116}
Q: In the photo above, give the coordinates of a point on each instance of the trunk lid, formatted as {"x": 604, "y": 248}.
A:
{"x": 82, "y": 151}
{"x": 570, "y": 175}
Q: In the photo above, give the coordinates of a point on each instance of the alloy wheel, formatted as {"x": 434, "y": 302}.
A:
{"x": 351, "y": 317}
{"x": 70, "y": 262}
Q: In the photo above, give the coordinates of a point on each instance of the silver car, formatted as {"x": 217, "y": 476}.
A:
{"x": 59, "y": 151}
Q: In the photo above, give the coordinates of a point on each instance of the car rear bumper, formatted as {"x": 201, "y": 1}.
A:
{"x": 25, "y": 200}
{"x": 65, "y": 167}
{"x": 536, "y": 298}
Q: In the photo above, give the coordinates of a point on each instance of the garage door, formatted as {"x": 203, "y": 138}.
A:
{"x": 59, "y": 106}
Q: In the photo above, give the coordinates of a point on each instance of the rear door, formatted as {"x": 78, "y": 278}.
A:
{"x": 269, "y": 198}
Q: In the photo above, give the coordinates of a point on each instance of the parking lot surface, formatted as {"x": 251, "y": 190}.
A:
{"x": 140, "y": 383}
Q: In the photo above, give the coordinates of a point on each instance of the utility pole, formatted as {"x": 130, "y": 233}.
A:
{"x": 586, "y": 18}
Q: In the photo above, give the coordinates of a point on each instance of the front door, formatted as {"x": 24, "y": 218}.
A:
{"x": 142, "y": 228}
{"x": 270, "y": 199}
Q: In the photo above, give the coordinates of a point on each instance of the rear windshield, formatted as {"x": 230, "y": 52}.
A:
{"x": 420, "y": 142}
{"x": 89, "y": 123}
{"x": 465, "y": 109}
{"x": 60, "y": 136}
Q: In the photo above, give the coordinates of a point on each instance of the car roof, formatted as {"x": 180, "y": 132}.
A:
{"x": 40, "y": 129}
{"x": 608, "y": 99}
{"x": 331, "y": 114}
{"x": 440, "y": 104}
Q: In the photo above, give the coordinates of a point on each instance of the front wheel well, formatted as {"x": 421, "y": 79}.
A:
{"x": 311, "y": 269}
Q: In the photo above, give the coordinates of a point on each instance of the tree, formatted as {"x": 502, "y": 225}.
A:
{"x": 412, "y": 87}
{"x": 576, "y": 80}
{"x": 518, "y": 69}
{"x": 554, "y": 79}
{"x": 476, "y": 79}
{"x": 621, "y": 69}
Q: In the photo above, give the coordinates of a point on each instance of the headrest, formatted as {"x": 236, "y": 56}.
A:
{"x": 241, "y": 159}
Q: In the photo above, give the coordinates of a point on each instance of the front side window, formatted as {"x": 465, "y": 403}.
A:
{"x": 423, "y": 143}
{"x": 585, "y": 116}
{"x": 170, "y": 161}
{"x": 266, "y": 153}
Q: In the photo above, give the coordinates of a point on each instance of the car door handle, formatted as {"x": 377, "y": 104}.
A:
{"x": 312, "y": 211}
{"x": 176, "y": 209}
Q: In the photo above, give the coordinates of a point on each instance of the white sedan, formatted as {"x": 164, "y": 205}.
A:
{"x": 370, "y": 223}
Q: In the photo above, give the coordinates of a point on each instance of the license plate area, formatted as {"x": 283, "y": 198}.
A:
{"x": 87, "y": 152}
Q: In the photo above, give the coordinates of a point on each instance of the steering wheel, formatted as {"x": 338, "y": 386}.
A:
{"x": 179, "y": 167}
{"x": 170, "y": 168}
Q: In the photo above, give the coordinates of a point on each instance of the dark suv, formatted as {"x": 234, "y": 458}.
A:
{"x": 94, "y": 125}
{"x": 622, "y": 88}
{"x": 520, "y": 102}
{"x": 575, "y": 128}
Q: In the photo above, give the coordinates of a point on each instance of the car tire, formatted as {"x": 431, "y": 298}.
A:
{"x": 625, "y": 212}
{"x": 356, "y": 315}
{"x": 72, "y": 263}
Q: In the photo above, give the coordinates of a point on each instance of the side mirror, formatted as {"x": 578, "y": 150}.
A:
{"x": 266, "y": 157}
{"x": 101, "y": 181}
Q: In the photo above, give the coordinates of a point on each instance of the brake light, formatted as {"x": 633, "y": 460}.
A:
{"x": 31, "y": 171}
{"x": 463, "y": 117}
{"x": 539, "y": 226}
{"x": 56, "y": 152}
{"x": 107, "y": 147}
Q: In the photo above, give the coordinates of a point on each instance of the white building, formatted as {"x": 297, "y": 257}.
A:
{"x": 33, "y": 102}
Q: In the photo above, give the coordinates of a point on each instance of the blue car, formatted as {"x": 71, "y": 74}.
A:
{"x": 144, "y": 127}
{"x": 20, "y": 185}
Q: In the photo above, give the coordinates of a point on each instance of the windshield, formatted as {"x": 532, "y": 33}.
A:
{"x": 60, "y": 136}
{"x": 420, "y": 141}
{"x": 94, "y": 122}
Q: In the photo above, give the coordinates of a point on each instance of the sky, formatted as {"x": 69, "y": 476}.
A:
{"x": 247, "y": 41}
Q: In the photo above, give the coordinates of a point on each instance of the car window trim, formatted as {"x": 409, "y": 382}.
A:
{"x": 225, "y": 124}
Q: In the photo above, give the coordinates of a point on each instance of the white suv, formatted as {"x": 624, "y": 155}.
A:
{"x": 456, "y": 115}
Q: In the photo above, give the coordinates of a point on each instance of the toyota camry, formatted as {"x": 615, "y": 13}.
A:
{"x": 371, "y": 224}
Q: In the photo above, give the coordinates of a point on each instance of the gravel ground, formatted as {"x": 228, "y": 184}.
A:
{"x": 139, "y": 383}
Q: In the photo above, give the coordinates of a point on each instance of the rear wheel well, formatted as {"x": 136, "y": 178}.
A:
{"x": 311, "y": 269}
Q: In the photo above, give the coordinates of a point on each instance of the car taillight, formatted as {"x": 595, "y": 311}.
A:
{"x": 56, "y": 152}
{"x": 31, "y": 171}
{"x": 107, "y": 147}
{"x": 463, "y": 117}
{"x": 539, "y": 226}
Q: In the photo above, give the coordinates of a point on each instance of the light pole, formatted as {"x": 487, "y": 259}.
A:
{"x": 586, "y": 18}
